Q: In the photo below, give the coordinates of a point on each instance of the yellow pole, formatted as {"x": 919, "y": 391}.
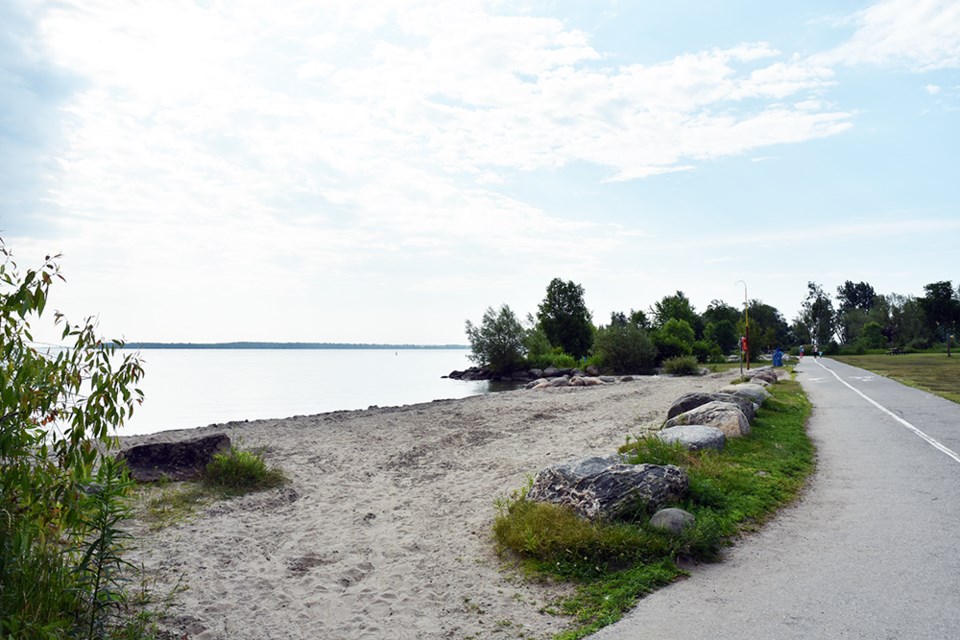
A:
{"x": 746, "y": 322}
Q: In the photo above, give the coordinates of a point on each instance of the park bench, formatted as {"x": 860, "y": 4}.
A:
{"x": 896, "y": 351}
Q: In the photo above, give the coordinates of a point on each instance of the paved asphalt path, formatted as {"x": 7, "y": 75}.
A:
{"x": 871, "y": 551}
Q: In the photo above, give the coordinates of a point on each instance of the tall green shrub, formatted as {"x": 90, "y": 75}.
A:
{"x": 624, "y": 348}
{"x": 498, "y": 342}
{"x": 57, "y": 413}
{"x": 674, "y": 339}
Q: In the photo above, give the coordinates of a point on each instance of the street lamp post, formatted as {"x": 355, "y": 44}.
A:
{"x": 746, "y": 327}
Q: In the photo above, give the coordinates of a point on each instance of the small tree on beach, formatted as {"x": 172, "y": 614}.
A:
{"x": 624, "y": 348}
{"x": 498, "y": 343}
{"x": 60, "y": 568}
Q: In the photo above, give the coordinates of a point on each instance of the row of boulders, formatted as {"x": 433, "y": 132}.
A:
{"x": 482, "y": 373}
{"x": 606, "y": 488}
{"x": 706, "y": 420}
{"x": 573, "y": 381}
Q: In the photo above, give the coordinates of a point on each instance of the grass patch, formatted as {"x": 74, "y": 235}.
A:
{"x": 682, "y": 366}
{"x": 931, "y": 372}
{"x": 238, "y": 472}
{"x": 614, "y": 564}
{"x": 167, "y": 504}
{"x": 229, "y": 475}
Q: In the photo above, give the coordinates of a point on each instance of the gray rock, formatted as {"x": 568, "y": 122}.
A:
{"x": 536, "y": 383}
{"x": 592, "y": 382}
{"x": 600, "y": 488}
{"x": 769, "y": 377}
{"x": 173, "y": 460}
{"x": 551, "y": 372}
{"x": 562, "y": 381}
{"x": 695, "y": 436}
{"x": 689, "y": 401}
{"x": 536, "y": 373}
{"x": 576, "y": 381}
{"x": 746, "y": 405}
{"x": 673, "y": 520}
{"x": 722, "y": 415}
{"x": 767, "y": 374}
{"x": 592, "y": 371}
{"x": 754, "y": 392}
{"x": 608, "y": 379}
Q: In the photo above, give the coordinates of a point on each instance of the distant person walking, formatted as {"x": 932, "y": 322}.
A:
{"x": 801, "y": 352}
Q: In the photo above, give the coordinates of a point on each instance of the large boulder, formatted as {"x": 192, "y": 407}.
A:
{"x": 722, "y": 415}
{"x": 766, "y": 374}
{"x": 173, "y": 460}
{"x": 753, "y": 392}
{"x": 689, "y": 401}
{"x": 694, "y": 437}
{"x": 603, "y": 488}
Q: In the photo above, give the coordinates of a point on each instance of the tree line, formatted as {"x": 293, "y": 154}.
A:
{"x": 858, "y": 318}
{"x": 563, "y": 333}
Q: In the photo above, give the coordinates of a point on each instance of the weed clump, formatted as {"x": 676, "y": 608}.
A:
{"x": 239, "y": 471}
{"x": 682, "y": 366}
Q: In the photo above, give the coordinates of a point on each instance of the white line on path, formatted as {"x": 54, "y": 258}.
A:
{"x": 931, "y": 441}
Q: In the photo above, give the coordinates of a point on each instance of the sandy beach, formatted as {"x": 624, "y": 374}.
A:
{"x": 385, "y": 528}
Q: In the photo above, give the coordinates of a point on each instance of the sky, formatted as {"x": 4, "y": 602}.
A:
{"x": 382, "y": 171}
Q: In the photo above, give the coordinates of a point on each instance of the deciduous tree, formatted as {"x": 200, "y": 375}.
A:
{"x": 564, "y": 317}
{"x": 498, "y": 343}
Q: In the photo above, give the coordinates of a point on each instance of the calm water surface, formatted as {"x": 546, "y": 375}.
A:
{"x": 197, "y": 387}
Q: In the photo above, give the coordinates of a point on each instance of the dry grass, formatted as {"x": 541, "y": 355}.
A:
{"x": 932, "y": 372}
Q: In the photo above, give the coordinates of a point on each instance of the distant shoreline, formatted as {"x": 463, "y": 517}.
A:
{"x": 284, "y": 345}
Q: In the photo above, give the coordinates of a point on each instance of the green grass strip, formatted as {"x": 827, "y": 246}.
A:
{"x": 614, "y": 564}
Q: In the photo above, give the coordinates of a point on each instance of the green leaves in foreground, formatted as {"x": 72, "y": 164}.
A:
{"x": 613, "y": 564}
{"x": 60, "y": 524}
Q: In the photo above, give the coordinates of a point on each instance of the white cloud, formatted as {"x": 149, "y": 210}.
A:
{"x": 227, "y": 153}
{"x": 920, "y": 34}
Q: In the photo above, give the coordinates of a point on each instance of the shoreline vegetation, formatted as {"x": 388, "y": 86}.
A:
{"x": 387, "y": 521}
{"x": 283, "y": 345}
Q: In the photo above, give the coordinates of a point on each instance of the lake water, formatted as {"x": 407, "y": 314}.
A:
{"x": 187, "y": 388}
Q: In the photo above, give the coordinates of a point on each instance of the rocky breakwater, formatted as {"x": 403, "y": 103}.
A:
{"x": 533, "y": 377}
